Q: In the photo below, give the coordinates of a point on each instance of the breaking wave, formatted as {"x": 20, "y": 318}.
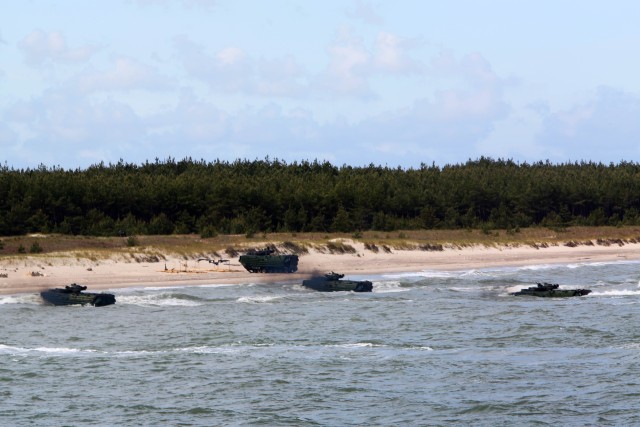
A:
{"x": 165, "y": 299}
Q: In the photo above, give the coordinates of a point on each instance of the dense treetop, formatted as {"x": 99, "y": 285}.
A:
{"x": 244, "y": 196}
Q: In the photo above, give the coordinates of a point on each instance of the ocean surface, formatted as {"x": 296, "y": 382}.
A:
{"x": 423, "y": 349}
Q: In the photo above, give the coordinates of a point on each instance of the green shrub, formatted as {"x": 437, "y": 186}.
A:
{"x": 231, "y": 252}
{"x": 208, "y": 232}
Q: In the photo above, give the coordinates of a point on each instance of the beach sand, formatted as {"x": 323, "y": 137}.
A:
{"x": 32, "y": 273}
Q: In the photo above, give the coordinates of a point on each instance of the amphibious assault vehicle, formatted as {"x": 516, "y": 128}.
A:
{"x": 72, "y": 294}
{"x": 332, "y": 282}
{"x": 264, "y": 261}
{"x": 549, "y": 290}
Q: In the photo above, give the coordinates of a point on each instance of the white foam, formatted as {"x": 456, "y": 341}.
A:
{"x": 473, "y": 289}
{"x": 359, "y": 345}
{"x": 436, "y": 274}
{"x": 213, "y": 350}
{"x": 46, "y": 350}
{"x": 61, "y": 350}
{"x": 616, "y": 293}
{"x": 257, "y": 299}
{"x": 12, "y": 350}
{"x": 536, "y": 267}
{"x": 388, "y": 287}
{"x": 156, "y": 300}
{"x": 516, "y": 288}
{"x": 630, "y": 346}
{"x": 21, "y": 299}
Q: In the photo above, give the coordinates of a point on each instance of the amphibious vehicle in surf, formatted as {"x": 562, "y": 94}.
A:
{"x": 332, "y": 282}
{"x": 73, "y": 294}
{"x": 264, "y": 261}
{"x": 550, "y": 290}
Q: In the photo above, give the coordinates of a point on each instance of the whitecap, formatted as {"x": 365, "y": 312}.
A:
{"x": 630, "y": 346}
{"x": 161, "y": 300}
{"x": 47, "y": 350}
{"x": 515, "y": 288}
{"x": 389, "y": 287}
{"x": 21, "y": 299}
{"x": 616, "y": 293}
{"x": 257, "y": 299}
{"x": 424, "y": 274}
{"x": 12, "y": 350}
{"x": 62, "y": 350}
{"x": 356, "y": 345}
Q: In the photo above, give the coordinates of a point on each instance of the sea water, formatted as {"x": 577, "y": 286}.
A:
{"x": 423, "y": 349}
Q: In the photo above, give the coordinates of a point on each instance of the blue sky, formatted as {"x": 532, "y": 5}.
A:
{"x": 395, "y": 83}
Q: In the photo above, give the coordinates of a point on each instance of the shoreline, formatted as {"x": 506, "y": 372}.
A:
{"x": 33, "y": 273}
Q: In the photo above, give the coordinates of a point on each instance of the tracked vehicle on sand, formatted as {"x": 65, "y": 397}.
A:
{"x": 264, "y": 261}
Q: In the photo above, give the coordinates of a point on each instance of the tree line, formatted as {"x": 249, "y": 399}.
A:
{"x": 245, "y": 197}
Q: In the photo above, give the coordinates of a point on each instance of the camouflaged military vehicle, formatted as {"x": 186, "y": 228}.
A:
{"x": 549, "y": 290}
{"x": 264, "y": 261}
{"x": 332, "y": 282}
{"x": 73, "y": 294}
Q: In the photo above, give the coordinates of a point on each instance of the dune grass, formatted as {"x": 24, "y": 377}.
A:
{"x": 194, "y": 246}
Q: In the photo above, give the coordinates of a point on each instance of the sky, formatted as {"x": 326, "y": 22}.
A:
{"x": 397, "y": 83}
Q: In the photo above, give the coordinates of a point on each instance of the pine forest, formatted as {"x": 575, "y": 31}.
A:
{"x": 246, "y": 197}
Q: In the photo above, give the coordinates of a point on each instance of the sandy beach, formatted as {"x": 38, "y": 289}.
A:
{"x": 31, "y": 273}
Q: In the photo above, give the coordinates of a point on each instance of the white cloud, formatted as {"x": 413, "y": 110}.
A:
{"x": 365, "y": 12}
{"x": 124, "y": 74}
{"x": 454, "y": 104}
{"x": 390, "y": 54}
{"x": 40, "y": 47}
{"x": 229, "y": 56}
{"x": 475, "y": 90}
{"x": 452, "y": 119}
{"x": 473, "y": 68}
{"x": 232, "y": 70}
{"x": 444, "y": 124}
{"x": 225, "y": 71}
{"x": 604, "y": 128}
{"x": 349, "y": 66}
{"x": 513, "y": 138}
{"x": 352, "y": 65}
{"x": 62, "y": 123}
{"x": 191, "y": 121}
{"x": 202, "y": 4}
{"x": 282, "y": 77}
{"x": 7, "y": 136}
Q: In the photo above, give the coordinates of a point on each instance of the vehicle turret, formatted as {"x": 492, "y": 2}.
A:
{"x": 74, "y": 288}
{"x": 334, "y": 276}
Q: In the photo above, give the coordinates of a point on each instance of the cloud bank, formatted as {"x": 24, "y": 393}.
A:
{"x": 364, "y": 91}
